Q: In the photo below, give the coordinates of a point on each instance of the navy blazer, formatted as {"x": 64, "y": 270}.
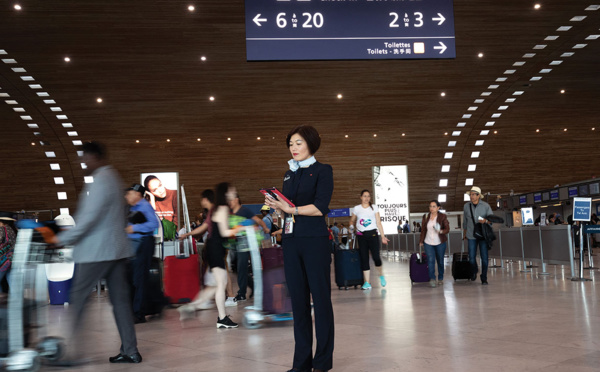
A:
{"x": 311, "y": 185}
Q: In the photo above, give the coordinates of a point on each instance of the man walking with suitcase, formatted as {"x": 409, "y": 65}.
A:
{"x": 474, "y": 216}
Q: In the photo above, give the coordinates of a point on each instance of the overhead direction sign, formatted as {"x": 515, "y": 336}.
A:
{"x": 349, "y": 29}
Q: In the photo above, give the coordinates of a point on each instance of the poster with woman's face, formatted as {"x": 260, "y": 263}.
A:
{"x": 162, "y": 193}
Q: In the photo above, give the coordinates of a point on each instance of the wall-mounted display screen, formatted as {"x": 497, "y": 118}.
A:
{"x": 354, "y": 29}
{"x": 545, "y": 196}
{"x": 554, "y": 195}
{"x": 523, "y": 199}
{"x": 563, "y": 193}
{"x": 573, "y": 191}
{"x": 584, "y": 190}
{"x": 537, "y": 197}
{"x": 594, "y": 188}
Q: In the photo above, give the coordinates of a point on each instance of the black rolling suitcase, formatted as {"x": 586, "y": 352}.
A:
{"x": 347, "y": 268}
{"x": 461, "y": 267}
{"x": 154, "y": 297}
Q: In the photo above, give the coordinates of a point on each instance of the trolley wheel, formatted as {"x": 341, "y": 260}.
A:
{"x": 51, "y": 348}
{"x": 24, "y": 360}
{"x": 249, "y": 323}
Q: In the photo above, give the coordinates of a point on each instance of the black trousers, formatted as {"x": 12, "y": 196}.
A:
{"x": 85, "y": 277}
{"x": 368, "y": 241}
{"x": 140, "y": 269}
{"x": 307, "y": 263}
{"x": 242, "y": 272}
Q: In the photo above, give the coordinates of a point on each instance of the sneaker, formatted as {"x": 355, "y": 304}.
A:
{"x": 432, "y": 283}
{"x": 230, "y": 302}
{"x": 226, "y": 323}
{"x": 206, "y": 305}
{"x": 186, "y": 312}
{"x": 366, "y": 286}
{"x": 382, "y": 280}
{"x": 239, "y": 298}
{"x": 440, "y": 281}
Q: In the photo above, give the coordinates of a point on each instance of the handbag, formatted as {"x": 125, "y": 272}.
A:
{"x": 477, "y": 229}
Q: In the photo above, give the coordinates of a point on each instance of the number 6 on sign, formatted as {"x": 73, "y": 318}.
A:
{"x": 281, "y": 22}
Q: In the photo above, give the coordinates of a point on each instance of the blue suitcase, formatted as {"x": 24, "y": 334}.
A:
{"x": 347, "y": 268}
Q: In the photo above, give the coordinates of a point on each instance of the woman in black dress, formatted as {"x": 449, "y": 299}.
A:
{"x": 308, "y": 184}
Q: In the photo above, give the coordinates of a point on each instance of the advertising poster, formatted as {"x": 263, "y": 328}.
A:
{"x": 390, "y": 189}
{"x": 543, "y": 219}
{"x": 527, "y": 216}
{"x": 162, "y": 193}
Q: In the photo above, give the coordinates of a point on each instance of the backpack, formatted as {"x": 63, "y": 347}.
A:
{"x": 169, "y": 229}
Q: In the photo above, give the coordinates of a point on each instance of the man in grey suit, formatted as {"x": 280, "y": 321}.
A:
{"x": 101, "y": 250}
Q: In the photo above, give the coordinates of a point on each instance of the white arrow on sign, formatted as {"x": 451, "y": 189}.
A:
{"x": 442, "y": 47}
{"x": 258, "y": 20}
{"x": 440, "y": 18}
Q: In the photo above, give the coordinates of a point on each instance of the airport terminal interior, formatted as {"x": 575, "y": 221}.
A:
{"x": 498, "y": 95}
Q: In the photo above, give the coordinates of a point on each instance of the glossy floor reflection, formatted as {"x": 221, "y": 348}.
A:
{"x": 519, "y": 322}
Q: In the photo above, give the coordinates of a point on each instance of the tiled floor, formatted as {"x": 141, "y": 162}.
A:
{"x": 520, "y": 322}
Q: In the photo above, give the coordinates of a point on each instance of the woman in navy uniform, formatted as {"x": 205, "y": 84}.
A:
{"x": 306, "y": 252}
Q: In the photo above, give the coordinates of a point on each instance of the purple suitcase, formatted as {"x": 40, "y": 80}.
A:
{"x": 419, "y": 271}
{"x": 276, "y": 299}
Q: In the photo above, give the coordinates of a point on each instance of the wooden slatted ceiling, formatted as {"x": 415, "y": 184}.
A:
{"x": 142, "y": 58}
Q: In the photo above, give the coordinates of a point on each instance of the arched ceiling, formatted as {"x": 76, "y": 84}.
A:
{"x": 143, "y": 59}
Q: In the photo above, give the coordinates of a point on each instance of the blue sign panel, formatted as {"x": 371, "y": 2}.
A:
{"x": 537, "y": 197}
{"x": 349, "y": 29}
{"x": 582, "y": 209}
{"x": 342, "y": 212}
{"x": 554, "y": 195}
{"x": 591, "y": 229}
{"x": 523, "y": 199}
{"x": 572, "y": 191}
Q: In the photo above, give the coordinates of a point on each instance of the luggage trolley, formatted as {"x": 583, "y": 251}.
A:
{"x": 27, "y": 301}
{"x": 255, "y": 314}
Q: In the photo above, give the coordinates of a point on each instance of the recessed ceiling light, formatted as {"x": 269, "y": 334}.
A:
{"x": 537, "y": 6}
{"x": 32, "y": 143}
{"x": 67, "y": 59}
{"x": 203, "y": 58}
{"x": 375, "y": 135}
{"x": 593, "y": 128}
{"x": 495, "y": 132}
{"x": 198, "y": 140}
{"x": 480, "y": 55}
{"x": 228, "y": 138}
{"x": 168, "y": 140}
{"x": 346, "y": 136}
{"x": 445, "y": 134}
{"x": 339, "y": 96}
{"x": 191, "y": 8}
{"x": 443, "y": 94}
{"x": 565, "y": 129}
{"x": 18, "y": 7}
{"x": 403, "y": 134}
{"x": 258, "y": 138}
{"x": 537, "y": 130}
{"x": 211, "y": 98}
{"x": 562, "y": 91}
{"x": 99, "y": 100}
{"x": 137, "y": 141}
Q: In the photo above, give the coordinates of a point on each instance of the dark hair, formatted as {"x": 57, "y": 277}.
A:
{"x": 436, "y": 202}
{"x": 221, "y": 193}
{"x": 148, "y": 179}
{"x": 94, "y": 148}
{"x": 310, "y": 135}
{"x": 10, "y": 224}
{"x": 209, "y": 195}
{"x": 361, "y": 194}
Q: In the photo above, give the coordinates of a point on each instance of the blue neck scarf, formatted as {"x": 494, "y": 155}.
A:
{"x": 294, "y": 165}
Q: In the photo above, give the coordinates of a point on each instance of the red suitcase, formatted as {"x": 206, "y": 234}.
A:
{"x": 181, "y": 276}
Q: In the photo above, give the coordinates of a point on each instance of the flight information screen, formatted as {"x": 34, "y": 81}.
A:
{"x": 349, "y": 29}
